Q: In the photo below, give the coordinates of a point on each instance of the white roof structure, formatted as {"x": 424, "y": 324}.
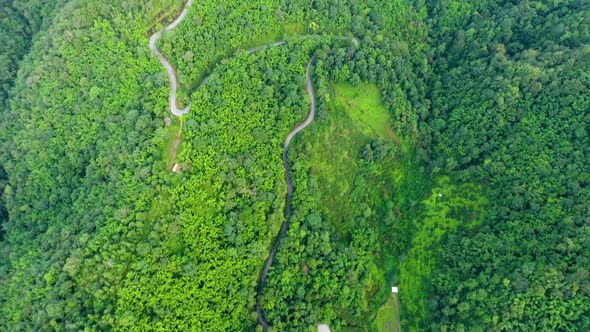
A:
{"x": 176, "y": 168}
{"x": 394, "y": 290}
{"x": 323, "y": 328}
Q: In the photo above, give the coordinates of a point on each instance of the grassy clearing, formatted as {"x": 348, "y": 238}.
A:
{"x": 286, "y": 31}
{"x": 172, "y": 144}
{"x": 448, "y": 207}
{"x": 364, "y": 106}
{"x": 158, "y": 18}
{"x": 410, "y": 211}
{"x": 424, "y": 211}
{"x": 351, "y": 186}
{"x": 388, "y": 316}
{"x": 335, "y": 153}
{"x": 270, "y": 37}
{"x": 294, "y": 29}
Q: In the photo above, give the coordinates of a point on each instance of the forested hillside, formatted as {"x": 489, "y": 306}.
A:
{"x": 449, "y": 156}
{"x": 511, "y": 108}
{"x": 20, "y": 22}
{"x": 78, "y": 165}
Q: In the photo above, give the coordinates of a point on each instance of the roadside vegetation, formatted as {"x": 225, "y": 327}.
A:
{"x": 388, "y": 316}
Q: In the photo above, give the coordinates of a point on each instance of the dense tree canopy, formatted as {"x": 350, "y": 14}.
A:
{"x": 511, "y": 108}
{"x": 449, "y": 156}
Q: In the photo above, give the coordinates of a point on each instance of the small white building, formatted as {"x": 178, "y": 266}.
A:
{"x": 394, "y": 290}
{"x": 323, "y": 328}
{"x": 176, "y": 168}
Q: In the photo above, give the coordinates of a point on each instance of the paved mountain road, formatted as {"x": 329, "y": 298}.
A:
{"x": 309, "y": 87}
{"x": 171, "y": 74}
{"x": 289, "y": 197}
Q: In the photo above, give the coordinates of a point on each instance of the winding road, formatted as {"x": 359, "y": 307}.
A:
{"x": 171, "y": 74}
{"x": 309, "y": 87}
{"x": 288, "y": 199}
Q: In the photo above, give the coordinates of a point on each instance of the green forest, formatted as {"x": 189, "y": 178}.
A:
{"x": 448, "y": 155}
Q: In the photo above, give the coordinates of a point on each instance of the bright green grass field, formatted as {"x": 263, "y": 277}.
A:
{"x": 400, "y": 199}
{"x": 355, "y": 117}
{"x": 171, "y": 145}
{"x": 350, "y": 186}
{"x": 162, "y": 13}
{"x": 448, "y": 207}
{"x": 363, "y": 105}
{"x": 388, "y": 315}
